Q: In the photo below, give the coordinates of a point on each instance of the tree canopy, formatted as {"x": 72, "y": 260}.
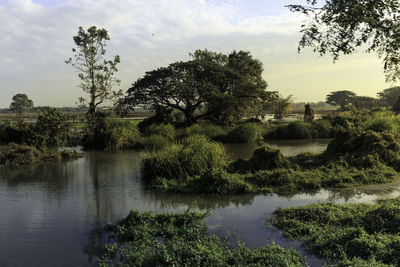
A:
{"x": 389, "y": 96}
{"x": 341, "y": 27}
{"x": 21, "y": 103}
{"x": 340, "y": 98}
{"x": 95, "y": 71}
{"x": 221, "y": 86}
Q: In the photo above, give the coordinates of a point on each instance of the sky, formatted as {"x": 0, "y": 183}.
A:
{"x": 36, "y": 39}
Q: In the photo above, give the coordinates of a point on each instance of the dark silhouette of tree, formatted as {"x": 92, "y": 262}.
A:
{"x": 340, "y": 27}
{"x": 309, "y": 113}
{"x": 222, "y": 86}
{"x": 396, "y": 106}
{"x": 340, "y": 98}
{"x": 95, "y": 71}
{"x": 21, "y": 103}
{"x": 364, "y": 102}
{"x": 389, "y": 96}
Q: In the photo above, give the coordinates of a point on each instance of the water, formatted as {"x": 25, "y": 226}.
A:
{"x": 52, "y": 214}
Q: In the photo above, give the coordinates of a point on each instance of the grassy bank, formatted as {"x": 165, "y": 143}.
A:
{"x": 15, "y": 155}
{"x": 146, "y": 239}
{"x": 348, "y": 235}
{"x": 199, "y": 165}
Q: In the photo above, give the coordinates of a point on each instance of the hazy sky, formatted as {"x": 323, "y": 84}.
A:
{"x": 36, "y": 39}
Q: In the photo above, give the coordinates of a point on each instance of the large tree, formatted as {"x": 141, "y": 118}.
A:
{"x": 365, "y": 102}
{"x": 340, "y": 98}
{"x": 95, "y": 70}
{"x": 222, "y": 86}
{"x": 342, "y": 26}
{"x": 389, "y": 96}
{"x": 21, "y": 103}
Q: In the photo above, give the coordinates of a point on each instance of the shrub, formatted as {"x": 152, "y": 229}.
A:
{"x": 211, "y": 131}
{"x": 298, "y": 130}
{"x": 154, "y": 141}
{"x": 195, "y": 155}
{"x": 166, "y": 130}
{"x": 104, "y": 131}
{"x": 248, "y": 133}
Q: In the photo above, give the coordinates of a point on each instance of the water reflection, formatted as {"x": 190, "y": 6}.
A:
{"x": 53, "y": 213}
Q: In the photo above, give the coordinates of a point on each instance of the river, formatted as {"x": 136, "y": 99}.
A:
{"x": 53, "y": 214}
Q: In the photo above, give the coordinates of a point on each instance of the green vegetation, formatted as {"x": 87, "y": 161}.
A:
{"x": 95, "y": 71}
{"x": 145, "y": 239}
{"x": 15, "y": 155}
{"x": 21, "y": 103}
{"x": 248, "y": 133}
{"x": 301, "y": 130}
{"x": 349, "y": 234}
{"x": 198, "y": 165}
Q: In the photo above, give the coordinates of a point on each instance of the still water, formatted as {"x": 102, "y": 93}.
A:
{"x": 52, "y": 214}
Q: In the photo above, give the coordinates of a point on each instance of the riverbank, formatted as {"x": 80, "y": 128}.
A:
{"x": 12, "y": 155}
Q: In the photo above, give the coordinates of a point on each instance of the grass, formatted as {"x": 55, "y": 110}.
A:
{"x": 146, "y": 239}
{"x": 14, "y": 155}
{"x": 348, "y": 235}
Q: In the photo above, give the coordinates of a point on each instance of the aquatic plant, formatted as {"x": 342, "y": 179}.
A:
{"x": 350, "y": 234}
{"x": 146, "y": 239}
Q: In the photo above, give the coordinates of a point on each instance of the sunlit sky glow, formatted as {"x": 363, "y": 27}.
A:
{"x": 36, "y": 39}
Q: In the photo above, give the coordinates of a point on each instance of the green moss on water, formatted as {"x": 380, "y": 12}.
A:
{"x": 146, "y": 239}
{"x": 349, "y": 234}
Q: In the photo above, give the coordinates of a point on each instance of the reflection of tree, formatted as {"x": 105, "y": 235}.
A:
{"x": 379, "y": 190}
{"x": 53, "y": 177}
{"x": 168, "y": 200}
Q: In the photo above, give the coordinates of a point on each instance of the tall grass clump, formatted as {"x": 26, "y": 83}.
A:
{"x": 382, "y": 121}
{"x": 194, "y": 155}
{"x": 166, "y": 130}
{"x": 248, "y": 133}
{"x": 209, "y": 130}
{"x": 294, "y": 130}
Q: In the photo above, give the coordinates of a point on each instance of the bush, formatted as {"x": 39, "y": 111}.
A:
{"x": 248, "y": 133}
{"x": 166, "y": 130}
{"x": 211, "y": 131}
{"x": 264, "y": 158}
{"x": 296, "y": 130}
{"x": 154, "y": 141}
{"x": 195, "y": 155}
{"x": 104, "y": 131}
{"x": 162, "y": 116}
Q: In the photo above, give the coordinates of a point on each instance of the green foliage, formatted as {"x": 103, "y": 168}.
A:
{"x": 211, "y": 131}
{"x": 21, "y": 103}
{"x": 340, "y": 27}
{"x": 154, "y": 141}
{"x": 340, "y": 98}
{"x": 162, "y": 116}
{"x": 282, "y": 106}
{"x": 248, "y": 133}
{"x": 264, "y": 158}
{"x": 104, "y": 131}
{"x": 213, "y": 86}
{"x": 301, "y": 130}
{"x": 145, "y": 239}
{"x": 350, "y": 233}
{"x": 195, "y": 155}
{"x": 396, "y": 106}
{"x": 389, "y": 96}
{"x": 51, "y": 129}
{"x": 166, "y": 130}
{"x": 95, "y": 71}
{"x": 15, "y": 155}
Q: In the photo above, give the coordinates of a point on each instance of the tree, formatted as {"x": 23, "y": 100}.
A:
{"x": 95, "y": 71}
{"x": 389, "y": 96}
{"x": 340, "y": 98}
{"x": 21, "y": 103}
{"x": 396, "y": 106}
{"x": 282, "y": 107}
{"x": 341, "y": 26}
{"x": 51, "y": 129}
{"x": 365, "y": 102}
{"x": 223, "y": 86}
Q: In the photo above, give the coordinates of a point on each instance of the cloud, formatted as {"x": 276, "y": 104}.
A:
{"x": 37, "y": 38}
